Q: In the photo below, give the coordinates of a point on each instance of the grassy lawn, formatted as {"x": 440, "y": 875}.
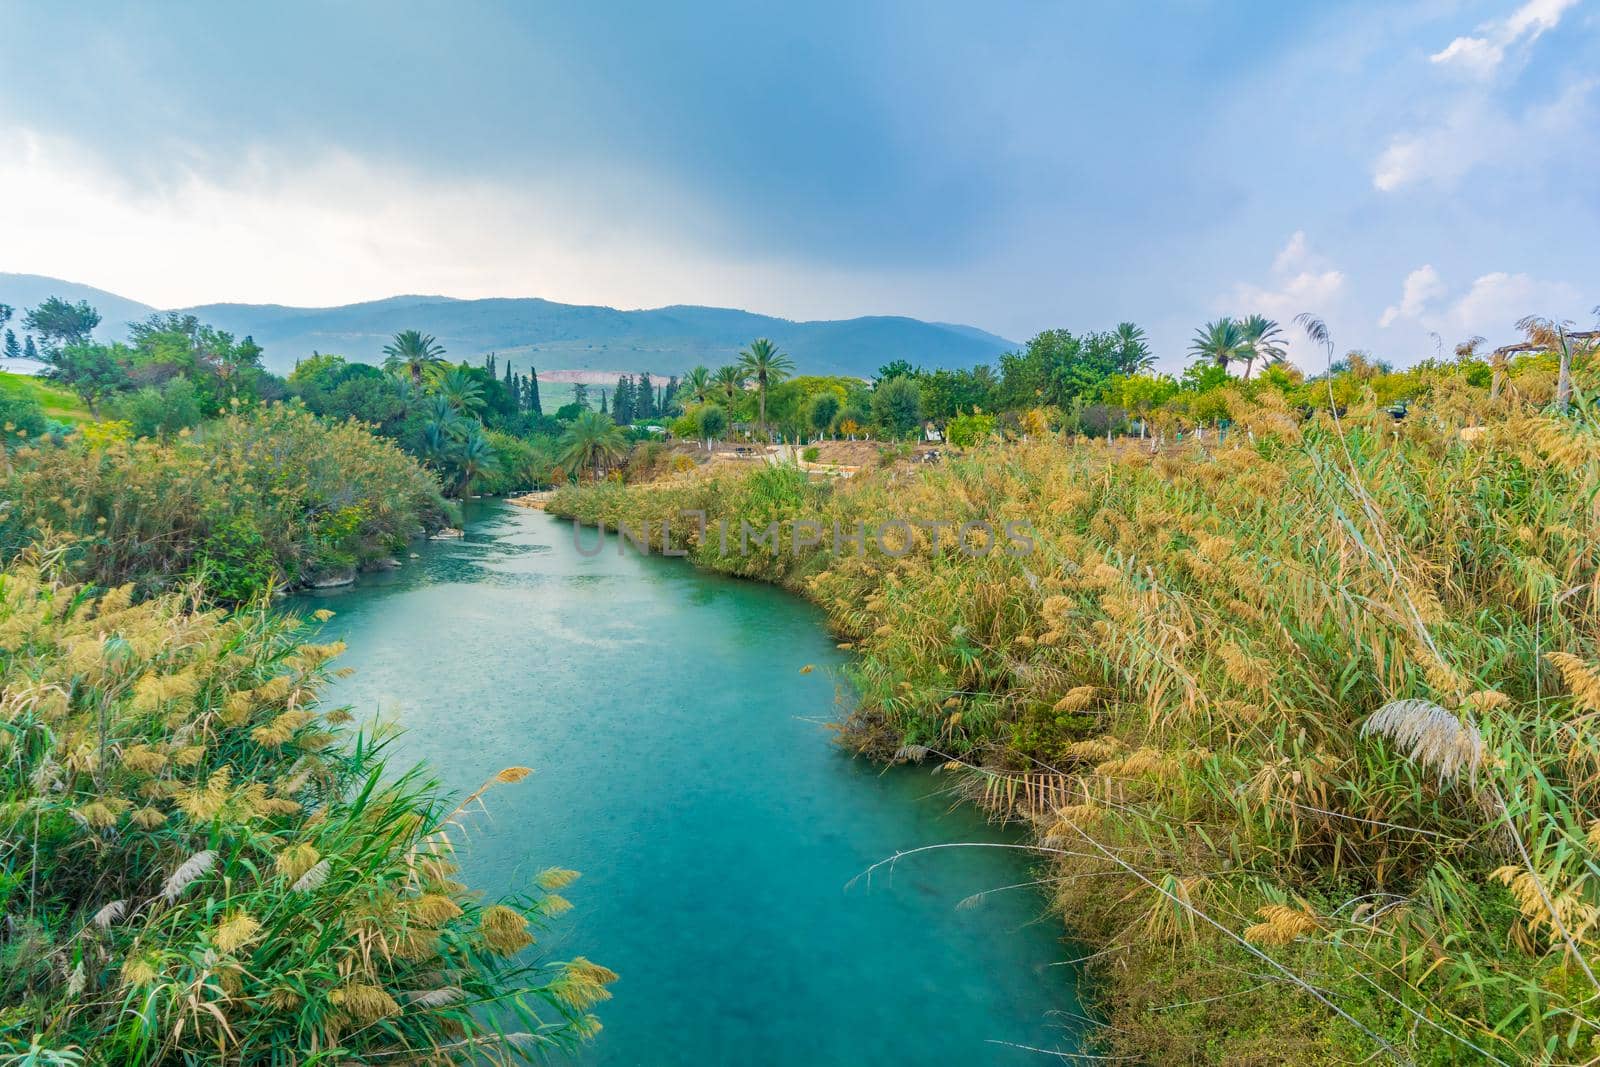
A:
{"x": 58, "y": 403}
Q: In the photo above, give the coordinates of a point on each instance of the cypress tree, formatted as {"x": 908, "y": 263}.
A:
{"x": 488, "y": 365}
{"x": 622, "y": 400}
{"x": 644, "y": 402}
{"x": 13, "y": 350}
{"x": 533, "y": 392}
{"x": 602, "y": 401}
{"x": 29, "y": 350}
{"x": 669, "y": 395}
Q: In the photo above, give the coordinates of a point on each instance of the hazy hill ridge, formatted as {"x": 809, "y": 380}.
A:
{"x": 551, "y": 335}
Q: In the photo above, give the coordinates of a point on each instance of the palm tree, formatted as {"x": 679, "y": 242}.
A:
{"x": 413, "y": 351}
{"x": 698, "y": 384}
{"x": 1222, "y": 342}
{"x": 729, "y": 381}
{"x": 763, "y": 362}
{"x": 1133, "y": 349}
{"x": 474, "y": 457}
{"x": 1263, "y": 340}
{"x": 592, "y": 438}
{"x": 460, "y": 389}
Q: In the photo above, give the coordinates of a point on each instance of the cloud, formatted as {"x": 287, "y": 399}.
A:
{"x": 1421, "y": 286}
{"x": 1494, "y": 302}
{"x": 1470, "y": 128}
{"x": 1476, "y": 131}
{"x": 1300, "y": 281}
{"x": 1481, "y": 56}
{"x": 323, "y": 228}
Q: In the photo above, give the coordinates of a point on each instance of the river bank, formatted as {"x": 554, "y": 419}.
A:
{"x": 1197, "y": 687}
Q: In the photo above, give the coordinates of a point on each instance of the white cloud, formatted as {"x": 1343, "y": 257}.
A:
{"x": 1493, "y": 304}
{"x": 1300, "y": 281}
{"x": 323, "y": 228}
{"x": 1476, "y": 131}
{"x": 1480, "y": 56}
{"x": 1421, "y": 286}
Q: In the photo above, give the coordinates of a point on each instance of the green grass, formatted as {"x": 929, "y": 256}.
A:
{"x": 59, "y": 403}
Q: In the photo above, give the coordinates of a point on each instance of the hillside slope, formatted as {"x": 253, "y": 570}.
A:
{"x": 552, "y": 335}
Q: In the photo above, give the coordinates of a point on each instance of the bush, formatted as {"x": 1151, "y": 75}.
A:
{"x": 199, "y": 871}
{"x": 811, "y": 454}
{"x": 21, "y": 419}
{"x": 964, "y": 431}
{"x": 274, "y": 483}
{"x": 155, "y": 411}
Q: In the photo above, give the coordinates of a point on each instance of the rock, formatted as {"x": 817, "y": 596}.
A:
{"x": 390, "y": 564}
{"x": 416, "y": 555}
{"x": 447, "y": 534}
{"x": 334, "y": 581}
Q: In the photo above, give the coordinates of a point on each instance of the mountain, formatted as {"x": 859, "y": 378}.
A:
{"x": 30, "y": 290}
{"x": 554, "y": 336}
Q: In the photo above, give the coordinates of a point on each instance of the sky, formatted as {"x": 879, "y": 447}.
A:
{"x": 1413, "y": 173}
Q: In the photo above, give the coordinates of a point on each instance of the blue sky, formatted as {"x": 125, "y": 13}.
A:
{"x": 1401, "y": 169}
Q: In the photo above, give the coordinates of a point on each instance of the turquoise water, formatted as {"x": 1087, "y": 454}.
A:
{"x": 681, "y": 764}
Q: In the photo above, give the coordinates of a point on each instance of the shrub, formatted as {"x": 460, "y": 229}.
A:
{"x": 21, "y": 419}
{"x": 897, "y": 406}
{"x": 199, "y": 870}
{"x": 811, "y": 454}
{"x": 964, "y": 431}
{"x": 273, "y": 483}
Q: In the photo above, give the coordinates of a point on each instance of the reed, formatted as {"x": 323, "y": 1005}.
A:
{"x": 196, "y": 867}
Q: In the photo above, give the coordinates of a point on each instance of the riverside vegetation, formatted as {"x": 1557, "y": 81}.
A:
{"x": 1304, "y": 719}
{"x": 196, "y": 865}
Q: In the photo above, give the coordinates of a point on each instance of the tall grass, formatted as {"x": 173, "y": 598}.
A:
{"x": 196, "y": 868}
{"x": 1306, "y": 721}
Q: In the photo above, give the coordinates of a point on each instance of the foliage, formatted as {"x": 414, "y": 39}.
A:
{"x": 201, "y": 870}
{"x": 155, "y": 411}
{"x": 323, "y": 498}
{"x": 964, "y": 431}
{"x": 897, "y": 406}
{"x": 591, "y": 442}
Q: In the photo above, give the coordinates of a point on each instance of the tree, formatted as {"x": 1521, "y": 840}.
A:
{"x": 1133, "y": 349}
{"x": 767, "y": 366}
{"x": 580, "y": 395}
{"x": 475, "y": 458}
{"x": 93, "y": 371}
{"x": 13, "y": 349}
{"x": 1222, "y": 342}
{"x": 591, "y": 439}
{"x": 28, "y": 350}
{"x": 824, "y": 409}
{"x": 622, "y": 400}
{"x": 669, "y": 397}
{"x": 712, "y": 423}
{"x": 460, "y": 389}
{"x": 1262, "y": 339}
{"x": 897, "y": 406}
{"x": 602, "y": 402}
{"x": 644, "y": 399}
{"x": 729, "y": 382}
{"x": 414, "y": 352}
{"x": 533, "y": 392}
{"x": 897, "y": 368}
{"x": 59, "y": 323}
{"x": 697, "y": 383}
